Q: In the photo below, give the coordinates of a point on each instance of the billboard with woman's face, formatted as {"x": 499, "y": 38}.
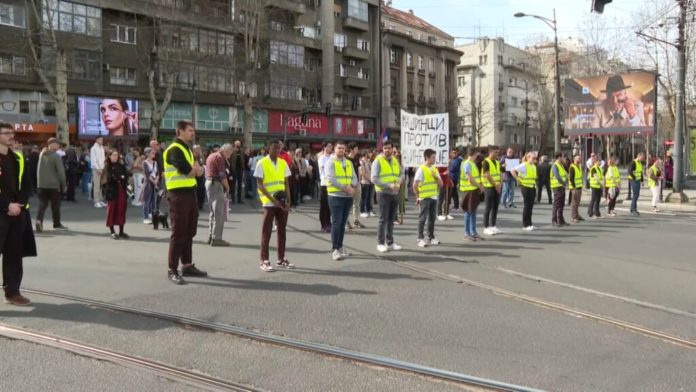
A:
{"x": 115, "y": 117}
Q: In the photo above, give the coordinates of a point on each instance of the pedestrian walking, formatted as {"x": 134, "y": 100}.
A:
{"x": 180, "y": 172}
{"x": 387, "y": 177}
{"x": 526, "y": 176}
{"x": 217, "y": 188}
{"x": 301, "y": 178}
{"x": 97, "y": 159}
{"x": 152, "y": 184}
{"x": 426, "y": 184}
{"x": 72, "y": 172}
{"x": 596, "y": 179}
{"x": 115, "y": 180}
{"x": 324, "y": 211}
{"x": 507, "y": 198}
{"x": 272, "y": 174}
{"x": 543, "y": 178}
{"x": 558, "y": 182}
{"x": 455, "y": 165}
{"x": 490, "y": 178}
{"x": 51, "y": 182}
{"x": 612, "y": 180}
{"x": 16, "y": 236}
{"x": 236, "y": 162}
{"x": 85, "y": 174}
{"x": 635, "y": 179}
{"x": 366, "y": 185}
{"x": 575, "y": 183}
{"x": 655, "y": 181}
{"x": 353, "y": 156}
{"x": 471, "y": 188}
{"x": 342, "y": 181}
{"x": 138, "y": 174}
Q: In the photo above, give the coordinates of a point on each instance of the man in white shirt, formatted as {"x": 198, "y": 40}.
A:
{"x": 324, "y": 211}
{"x": 97, "y": 158}
{"x": 426, "y": 184}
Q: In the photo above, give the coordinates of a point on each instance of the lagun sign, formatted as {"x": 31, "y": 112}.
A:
{"x": 418, "y": 133}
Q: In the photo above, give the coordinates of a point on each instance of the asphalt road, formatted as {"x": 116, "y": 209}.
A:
{"x": 636, "y": 270}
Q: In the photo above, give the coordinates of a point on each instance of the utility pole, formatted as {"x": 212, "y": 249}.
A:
{"x": 526, "y": 114}
{"x": 557, "y": 112}
{"x": 678, "y": 196}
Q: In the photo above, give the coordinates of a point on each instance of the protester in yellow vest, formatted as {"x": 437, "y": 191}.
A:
{"x": 636, "y": 175}
{"x": 341, "y": 181}
{"x": 490, "y": 168}
{"x": 387, "y": 177}
{"x": 559, "y": 181}
{"x": 471, "y": 189}
{"x": 613, "y": 184}
{"x": 655, "y": 182}
{"x": 272, "y": 173}
{"x": 596, "y": 179}
{"x": 526, "y": 175}
{"x": 575, "y": 183}
{"x": 426, "y": 184}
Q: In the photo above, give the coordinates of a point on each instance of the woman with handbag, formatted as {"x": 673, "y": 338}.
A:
{"x": 115, "y": 187}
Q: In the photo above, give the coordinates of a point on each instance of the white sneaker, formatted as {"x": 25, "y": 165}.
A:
{"x": 450, "y": 217}
{"x": 147, "y": 221}
{"x": 528, "y": 228}
{"x": 496, "y": 230}
{"x": 364, "y": 215}
{"x": 336, "y": 255}
{"x": 372, "y": 214}
{"x": 344, "y": 252}
{"x": 488, "y": 231}
{"x": 394, "y": 246}
{"x": 535, "y": 227}
{"x": 434, "y": 241}
{"x": 422, "y": 243}
{"x": 382, "y": 248}
{"x": 441, "y": 217}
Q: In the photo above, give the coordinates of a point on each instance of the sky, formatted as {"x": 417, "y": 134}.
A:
{"x": 494, "y": 18}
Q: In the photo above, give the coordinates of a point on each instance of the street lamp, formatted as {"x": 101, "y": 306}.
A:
{"x": 557, "y": 126}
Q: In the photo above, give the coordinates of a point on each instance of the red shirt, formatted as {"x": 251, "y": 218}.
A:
{"x": 216, "y": 166}
{"x": 284, "y": 155}
{"x": 444, "y": 174}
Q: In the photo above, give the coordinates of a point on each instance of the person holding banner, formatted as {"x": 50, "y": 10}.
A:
{"x": 526, "y": 175}
{"x": 426, "y": 183}
{"x": 471, "y": 189}
{"x": 491, "y": 181}
{"x": 387, "y": 177}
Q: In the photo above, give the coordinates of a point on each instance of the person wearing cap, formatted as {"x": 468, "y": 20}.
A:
{"x": 617, "y": 110}
{"x": 51, "y": 181}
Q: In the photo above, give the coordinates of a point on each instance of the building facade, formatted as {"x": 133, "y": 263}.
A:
{"x": 418, "y": 69}
{"x": 498, "y": 89}
{"x": 311, "y": 54}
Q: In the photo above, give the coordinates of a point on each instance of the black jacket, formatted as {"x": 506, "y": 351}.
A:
{"x": 544, "y": 172}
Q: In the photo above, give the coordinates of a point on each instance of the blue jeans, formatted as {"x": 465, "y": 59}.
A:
{"x": 507, "y": 197}
{"x": 470, "y": 224}
{"x": 340, "y": 209}
{"x": 149, "y": 203}
{"x": 86, "y": 179}
{"x": 366, "y": 198}
{"x": 635, "y": 192}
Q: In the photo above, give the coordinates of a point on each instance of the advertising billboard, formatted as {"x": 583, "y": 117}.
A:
{"x": 110, "y": 117}
{"x": 610, "y": 105}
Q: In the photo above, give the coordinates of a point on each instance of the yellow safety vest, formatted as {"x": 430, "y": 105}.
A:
{"x": 20, "y": 162}
{"x": 172, "y": 178}
{"x": 273, "y": 177}
{"x": 613, "y": 178}
{"x": 428, "y": 188}
{"x": 529, "y": 180}
{"x": 344, "y": 176}
{"x": 595, "y": 176}
{"x": 494, "y": 171}
{"x": 464, "y": 184}
{"x": 638, "y": 173}
{"x": 577, "y": 180}
{"x": 651, "y": 182}
{"x": 388, "y": 173}
{"x": 561, "y": 172}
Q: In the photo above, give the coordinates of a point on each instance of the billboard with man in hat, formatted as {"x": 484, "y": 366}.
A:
{"x": 610, "y": 105}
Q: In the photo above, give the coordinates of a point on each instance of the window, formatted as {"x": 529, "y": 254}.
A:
{"x": 343, "y": 70}
{"x": 421, "y": 62}
{"x": 500, "y": 59}
{"x": 431, "y": 64}
{"x": 513, "y": 101}
{"x": 24, "y": 107}
{"x": 123, "y": 34}
{"x": 313, "y": 64}
{"x": 364, "y": 73}
{"x": 431, "y": 91}
{"x": 49, "y": 109}
{"x": 243, "y": 90}
{"x": 122, "y": 76}
{"x": 72, "y": 18}
{"x": 214, "y": 79}
{"x": 409, "y": 33}
{"x": 12, "y": 15}
{"x": 515, "y": 138}
{"x": 461, "y": 81}
{"x": 340, "y": 41}
{"x": 363, "y": 45}
{"x": 277, "y": 26}
{"x": 12, "y": 65}
{"x": 483, "y": 60}
{"x": 284, "y": 53}
{"x": 85, "y": 65}
{"x": 409, "y": 60}
{"x": 392, "y": 56}
{"x": 357, "y": 9}
{"x": 282, "y": 87}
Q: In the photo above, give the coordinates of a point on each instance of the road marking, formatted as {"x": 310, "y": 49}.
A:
{"x": 648, "y": 212}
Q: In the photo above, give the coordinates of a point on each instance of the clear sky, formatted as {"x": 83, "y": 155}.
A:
{"x": 494, "y": 18}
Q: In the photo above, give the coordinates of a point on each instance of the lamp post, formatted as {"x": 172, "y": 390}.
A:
{"x": 557, "y": 124}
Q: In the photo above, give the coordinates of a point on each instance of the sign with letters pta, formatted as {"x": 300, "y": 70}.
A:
{"x": 418, "y": 133}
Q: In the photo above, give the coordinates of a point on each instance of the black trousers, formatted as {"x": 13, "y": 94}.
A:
{"x": 236, "y": 186}
{"x": 71, "y": 178}
{"x": 593, "y": 209}
{"x": 492, "y": 202}
{"x": 454, "y": 195}
{"x": 539, "y": 187}
{"x": 12, "y": 230}
{"x": 427, "y": 215}
{"x": 528, "y": 194}
{"x": 324, "y": 211}
{"x": 183, "y": 212}
{"x": 47, "y": 196}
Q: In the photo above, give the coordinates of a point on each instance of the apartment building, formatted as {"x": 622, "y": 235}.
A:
{"x": 310, "y": 54}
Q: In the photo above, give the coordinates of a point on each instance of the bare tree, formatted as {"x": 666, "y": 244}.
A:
{"x": 252, "y": 17}
{"x": 48, "y": 53}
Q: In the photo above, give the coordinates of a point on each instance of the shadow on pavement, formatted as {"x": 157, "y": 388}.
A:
{"x": 262, "y": 285}
{"x": 357, "y": 274}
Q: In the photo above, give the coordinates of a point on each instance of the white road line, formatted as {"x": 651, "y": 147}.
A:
{"x": 647, "y": 212}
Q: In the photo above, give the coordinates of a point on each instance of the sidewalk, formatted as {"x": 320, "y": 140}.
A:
{"x": 645, "y": 199}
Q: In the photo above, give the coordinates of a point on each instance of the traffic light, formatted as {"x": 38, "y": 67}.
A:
{"x": 598, "y": 5}
{"x": 305, "y": 116}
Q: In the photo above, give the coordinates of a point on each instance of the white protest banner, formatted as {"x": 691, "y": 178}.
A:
{"x": 418, "y": 133}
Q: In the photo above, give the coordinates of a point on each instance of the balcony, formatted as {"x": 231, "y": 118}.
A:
{"x": 421, "y": 100}
{"x": 432, "y": 103}
{"x": 352, "y": 81}
{"x": 289, "y": 5}
{"x": 355, "y": 53}
{"x": 421, "y": 71}
{"x": 411, "y": 99}
{"x": 410, "y": 69}
{"x": 355, "y": 24}
{"x": 431, "y": 75}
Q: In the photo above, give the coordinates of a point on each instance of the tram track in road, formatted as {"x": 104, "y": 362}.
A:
{"x": 573, "y": 311}
{"x": 172, "y": 373}
{"x": 372, "y": 360}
